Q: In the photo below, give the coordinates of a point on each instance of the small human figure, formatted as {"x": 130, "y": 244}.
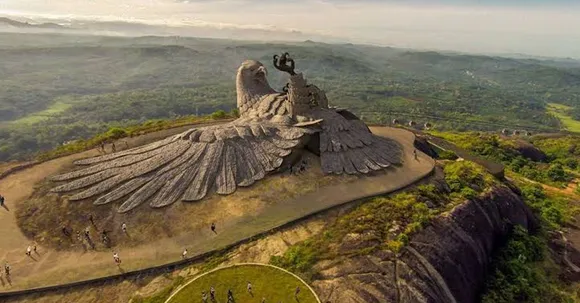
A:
{"x": 102, "y": 147}
{"x": 124, "y": 227}
{"x": 1, "y": 201}
{"x": 415, "y": 153}
{"x": 7, "y": 269}
{"x": 29, "y": 250}
{"x": 126, "y": 144}
{"x": 203, "y": 297}
{"x": 184, "y": 253}
{"x": 249, "y": 287}
{"x": 65, "y": 231}
{"x": 105, "y": 238}
{"x": 213, "y": 227}
{"x": 79, "y": 237}
{"x": 92, "y": 220}
{"x": 212, "y": 293}
{"x": 88, "y": 234}
{"x": 113, "y": 147}
{"x": 230, "y": 295}
{"x": 34, "y": 249}
{"x": 263, "y": 300}
{"x": 297, "y": 291}
{"x": 116, "y": 258}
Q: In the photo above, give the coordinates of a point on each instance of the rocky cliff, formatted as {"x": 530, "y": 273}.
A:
{"x": 445, "y": 262}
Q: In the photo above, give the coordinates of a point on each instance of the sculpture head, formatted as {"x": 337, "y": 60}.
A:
{"x": 254, "y": 71}
{"x": 251, "y": 84}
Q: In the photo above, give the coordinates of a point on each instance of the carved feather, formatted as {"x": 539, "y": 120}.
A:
{"x": 240, "y": 153}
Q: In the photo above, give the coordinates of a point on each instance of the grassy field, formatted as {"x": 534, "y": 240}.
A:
{"x": 267, "y": 282}
{"x": 56, "y": 108}
{"x": 561, "y": 112}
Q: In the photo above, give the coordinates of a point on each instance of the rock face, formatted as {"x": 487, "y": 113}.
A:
{"x": 531, "y": 152}
{"x": 444, "y": 263}
{"x": 424, "y": 146}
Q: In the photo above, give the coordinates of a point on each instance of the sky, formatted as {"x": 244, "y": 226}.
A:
{"x": 534, "y": 27}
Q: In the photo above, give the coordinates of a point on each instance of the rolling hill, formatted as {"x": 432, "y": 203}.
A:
{"x": 89, "y": 83}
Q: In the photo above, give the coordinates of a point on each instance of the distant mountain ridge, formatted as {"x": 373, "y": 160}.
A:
{"x": 18, "y": 24}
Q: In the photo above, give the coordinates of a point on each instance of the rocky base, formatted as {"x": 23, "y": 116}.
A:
{"x": 446, "y": 262}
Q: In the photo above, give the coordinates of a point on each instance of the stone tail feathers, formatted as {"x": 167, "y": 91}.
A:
{"x": 348, "y": 146}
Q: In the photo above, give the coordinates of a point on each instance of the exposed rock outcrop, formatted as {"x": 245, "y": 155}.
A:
{"x": 529, "y": 151}
{"x": 445, "y": 262}
{"x": 423, "y": 145}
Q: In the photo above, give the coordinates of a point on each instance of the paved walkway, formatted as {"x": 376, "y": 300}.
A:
{"x": 57, "y": 267}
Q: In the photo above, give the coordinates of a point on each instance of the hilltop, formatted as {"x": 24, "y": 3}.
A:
{"x": 17, "y": 24}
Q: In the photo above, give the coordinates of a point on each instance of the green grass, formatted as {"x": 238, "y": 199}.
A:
{"x": 267, "y": 282}
{"x": 53, "y": 110}
{"x": 562, "y": 112}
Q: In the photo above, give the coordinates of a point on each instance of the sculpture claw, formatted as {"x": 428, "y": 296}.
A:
{"x": 280, "y": 63}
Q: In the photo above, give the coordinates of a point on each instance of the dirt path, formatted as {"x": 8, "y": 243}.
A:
{"x": 51, "y": 267}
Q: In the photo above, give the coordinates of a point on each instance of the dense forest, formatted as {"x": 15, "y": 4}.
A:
{"x": 58, "y": 88}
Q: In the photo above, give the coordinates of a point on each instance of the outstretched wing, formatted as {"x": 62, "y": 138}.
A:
{"x": 186, "y": 166}
{"x": 348, "y": 146}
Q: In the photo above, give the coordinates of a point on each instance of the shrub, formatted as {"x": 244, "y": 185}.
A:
{"x": 556, "y": 173}
{"x": 519, "y": 272}
{"x": 447, "y": 155}
{"x": 220, "y": 114}
{"x": 116, "y": 133}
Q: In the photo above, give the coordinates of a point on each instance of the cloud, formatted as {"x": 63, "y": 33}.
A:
{"x": 534, "y": 26}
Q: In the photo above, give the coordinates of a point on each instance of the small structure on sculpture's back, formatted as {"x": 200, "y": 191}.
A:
{"x": 273, "y": 128}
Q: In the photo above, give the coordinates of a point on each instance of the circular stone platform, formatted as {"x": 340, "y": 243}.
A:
{"x": 57, "y": 267}
{"x": 269, "y": 282}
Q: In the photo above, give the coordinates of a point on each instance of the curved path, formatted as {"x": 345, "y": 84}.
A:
{"x": 176, "y": 292}
{"x": 52, "y": 267}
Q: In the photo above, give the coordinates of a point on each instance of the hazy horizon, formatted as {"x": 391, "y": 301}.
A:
{"x": 538, "y": 28}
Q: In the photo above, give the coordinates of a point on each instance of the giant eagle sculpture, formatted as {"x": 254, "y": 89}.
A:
{"x": 272, "y": 127}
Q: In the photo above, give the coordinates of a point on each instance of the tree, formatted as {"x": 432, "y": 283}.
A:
{"x": 556, "y": 173}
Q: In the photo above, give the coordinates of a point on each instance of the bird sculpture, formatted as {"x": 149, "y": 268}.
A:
{"x": 272, "y": 129}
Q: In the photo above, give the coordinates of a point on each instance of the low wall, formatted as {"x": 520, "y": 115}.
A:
{"x": 17, "y": 168}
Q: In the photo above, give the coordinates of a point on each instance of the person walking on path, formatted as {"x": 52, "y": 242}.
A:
{"x": 297, "y": 291}
{"x": 102, "y": 147}
{"x": 7, "y": 269}
{"x": 415, "y": 154}
{"x": 1, "y": 201}
{"x": 124, "y": 227}
{"x": 203, "y": 297}
{"x": 65, "y": 231}
{"x": 29, "y": 251}
{"x": 105, "y": 238}
{"x": 113, "y": 147}
{"x": 184, "y": 253}
{"x": 213, "y": 227}
{"x": 116, "y": 258}
{"x": 230, "y": 296}
{"x": 212, "y": 293}
{"x": 249, "y": 287}
{"x": 92, "y": 220}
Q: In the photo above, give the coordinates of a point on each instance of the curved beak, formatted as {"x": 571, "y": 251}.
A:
{"x": 262, "y": 70}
